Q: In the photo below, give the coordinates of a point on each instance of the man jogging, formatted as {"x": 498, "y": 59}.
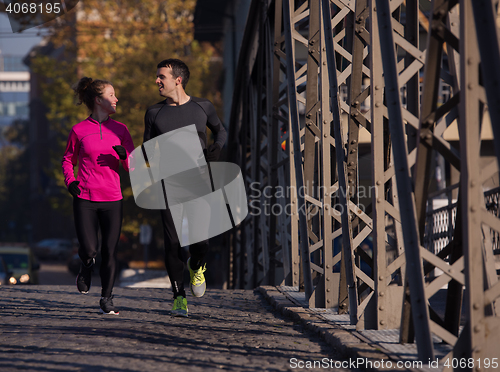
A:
{"x": 179, "y": 110}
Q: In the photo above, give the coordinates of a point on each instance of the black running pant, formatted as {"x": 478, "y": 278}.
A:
{"x": 174, "y": 261}
{"x": 89, "y": 216}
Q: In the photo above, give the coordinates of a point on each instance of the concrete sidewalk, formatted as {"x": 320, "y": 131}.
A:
{"x": 381, "y": 350}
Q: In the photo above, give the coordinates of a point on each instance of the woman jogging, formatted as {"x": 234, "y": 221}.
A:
{"x": 98, "y": 145}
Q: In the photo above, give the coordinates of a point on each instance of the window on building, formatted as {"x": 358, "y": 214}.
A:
{"x": 12, "y": 63}
{"x": 14, "y": 109}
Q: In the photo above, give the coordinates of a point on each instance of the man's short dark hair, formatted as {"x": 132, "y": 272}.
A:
{"x": 178, "y": 67}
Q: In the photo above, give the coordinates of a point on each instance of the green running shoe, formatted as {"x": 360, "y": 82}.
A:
{"x": 198, "y": 284}
{"x": 180, "y": 307}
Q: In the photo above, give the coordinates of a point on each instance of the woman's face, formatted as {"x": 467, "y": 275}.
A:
{"x": 107, "y": 100}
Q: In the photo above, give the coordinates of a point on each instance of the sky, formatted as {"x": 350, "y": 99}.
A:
{"x": 18, "y": 44}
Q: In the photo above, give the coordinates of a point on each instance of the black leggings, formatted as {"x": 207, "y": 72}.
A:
{"x": 89, "y": 216}
{"x": 174, "y": 261}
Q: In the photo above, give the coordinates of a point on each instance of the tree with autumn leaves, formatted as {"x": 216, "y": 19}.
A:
{"x": 120, "y": 41}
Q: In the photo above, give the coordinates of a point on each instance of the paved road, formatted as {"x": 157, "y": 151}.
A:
{"x": 57, "y": 273}
{"x": 53, "y": 328}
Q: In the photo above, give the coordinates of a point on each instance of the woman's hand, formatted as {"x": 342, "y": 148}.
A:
{"x": 74, "y": 189}
{"x": 120, "y": 150}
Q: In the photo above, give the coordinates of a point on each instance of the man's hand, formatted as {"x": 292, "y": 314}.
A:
{"x": 74, "y": 189}
{"x": 120, "y": 150}
{"x": 213, "y": 152}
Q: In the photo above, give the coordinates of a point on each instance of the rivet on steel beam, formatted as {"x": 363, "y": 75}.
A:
{"x": 308, "y": 115}
{"x": 469, "y": 61}
{"x": 327, "y": 207}
{"x": 477, "y": 329}
{"x": 381, "y": 294}
{"x": 476, "y": 306}
{"x": 473, "y": 208}
{"x": 377, "y": 104}
{"x": 327, "y": 266}
{"x": 379, "y": 200}
{"x": 324, "y": 63}
{"x": 382, "y": 322}
{"x": 381, "y": 308}
{"x": 327, "y": 279}
{"x": 328, "y": 289}
{"x": 328, "y": 301}
{"x": 295, "y": 273}
{"x": 377, "y": 87}
{"x": 378, "y": 182}
{"x": 470, "y": 86}
{"x": 472, "y": 183}
{"x": 291, "y": 152}
{"x": 380, "y": 278}
{"x": 354, "y": 141}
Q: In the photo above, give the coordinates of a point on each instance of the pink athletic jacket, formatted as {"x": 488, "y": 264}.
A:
{"x": 90, "y": 144}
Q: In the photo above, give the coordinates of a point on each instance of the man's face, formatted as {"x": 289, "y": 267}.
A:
{"x": 167, "y": 84}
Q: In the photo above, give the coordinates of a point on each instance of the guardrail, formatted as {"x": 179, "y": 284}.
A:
{"x": 440, "y": 221}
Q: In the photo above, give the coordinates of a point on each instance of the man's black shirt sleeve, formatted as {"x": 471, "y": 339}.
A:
{"x": 149, "y": 122}
{"x": 213, "y": 121}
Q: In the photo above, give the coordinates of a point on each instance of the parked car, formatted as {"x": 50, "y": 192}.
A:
{"x": 5, "y": 274}
{"x": 21, "y": 262}
{"x": 53, "y": 249}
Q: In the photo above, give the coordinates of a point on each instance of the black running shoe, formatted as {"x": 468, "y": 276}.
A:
{"x": 84, "y": 277}
{"x": 107, "y": 306}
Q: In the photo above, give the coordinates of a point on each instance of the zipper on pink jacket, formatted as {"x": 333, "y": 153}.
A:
{"x": 100, "y": 129}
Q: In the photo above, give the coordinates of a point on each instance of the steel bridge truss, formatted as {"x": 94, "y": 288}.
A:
{"x": 313, "y": 78}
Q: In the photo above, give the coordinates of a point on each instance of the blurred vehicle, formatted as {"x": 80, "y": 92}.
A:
{"x": 53, "y": 249}
{"x": 5, "y": 274}
{"x": 21, "y": 262}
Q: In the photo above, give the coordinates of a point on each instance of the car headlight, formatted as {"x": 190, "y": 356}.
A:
{"x": 12, "y": 280}
{"x": 25, "y": 278}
